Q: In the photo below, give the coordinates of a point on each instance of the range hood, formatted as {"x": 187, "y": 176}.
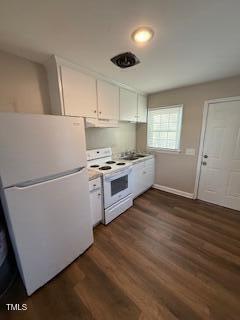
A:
{"x": 100, "y": 123}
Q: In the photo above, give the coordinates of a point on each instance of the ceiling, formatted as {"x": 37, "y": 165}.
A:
{"x": 195, "y": 40}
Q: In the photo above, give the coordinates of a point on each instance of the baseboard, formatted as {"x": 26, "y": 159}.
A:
{"x": 174, "y": 191}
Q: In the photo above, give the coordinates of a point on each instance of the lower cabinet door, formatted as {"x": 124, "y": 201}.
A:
{"x": 143, "y": 176}
{"x": 149, "y": 173}
{"x": 138, "y": 179}
{"x": 96, "y": 206}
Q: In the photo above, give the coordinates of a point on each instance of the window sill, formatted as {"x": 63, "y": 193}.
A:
{"x": 158, "y": 150}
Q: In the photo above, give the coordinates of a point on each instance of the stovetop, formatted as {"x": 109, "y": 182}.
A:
{"x": 108, "y": 166}
{"x": 101, "y": 160}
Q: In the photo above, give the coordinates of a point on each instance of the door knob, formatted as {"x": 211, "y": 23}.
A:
{"x": 205, "y": 156}
{"x": 204, "y": 163}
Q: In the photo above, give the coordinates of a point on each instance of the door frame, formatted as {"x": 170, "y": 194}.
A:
{"x": 202, "y": 137}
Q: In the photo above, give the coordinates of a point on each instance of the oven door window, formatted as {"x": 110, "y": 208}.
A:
{"x": 119, "y": 185}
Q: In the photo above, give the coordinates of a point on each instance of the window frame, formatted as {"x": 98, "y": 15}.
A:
{"x": 167, "y": 150}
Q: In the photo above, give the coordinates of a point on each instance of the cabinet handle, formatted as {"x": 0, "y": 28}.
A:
{"x": 94, "y": 185}
{"x": 95, "y": 111}
{"x": 100, "y": 112}
{"x": 99, "y": 194}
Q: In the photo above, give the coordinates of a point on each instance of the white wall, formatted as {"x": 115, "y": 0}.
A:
{"x": 120, "y": 139}
{"x": 23, "y": 85}
{"x": 178, "y": 171}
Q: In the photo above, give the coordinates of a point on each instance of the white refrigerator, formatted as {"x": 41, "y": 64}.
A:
{"x": 44, "y": 192}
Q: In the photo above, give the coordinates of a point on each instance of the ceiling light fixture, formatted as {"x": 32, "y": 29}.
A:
{"x": 142, "y": 35}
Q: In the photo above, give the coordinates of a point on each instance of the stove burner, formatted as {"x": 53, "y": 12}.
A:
{"x": 121, "y": 163}
{"x": 110, "y": 162}
{"x": 95, "y": 166}
{"x": 105, "y": 168}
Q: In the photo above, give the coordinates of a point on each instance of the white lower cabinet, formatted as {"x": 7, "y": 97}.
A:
{"x": 137, "y": 177}
{"x": 143, "y": 176}
{"x": 96, "y": 200}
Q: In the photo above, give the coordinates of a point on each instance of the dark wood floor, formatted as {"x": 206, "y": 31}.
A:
{"x": 166, "y": 258}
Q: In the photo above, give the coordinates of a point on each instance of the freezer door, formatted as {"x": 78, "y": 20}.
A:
{"x": 50, "y": 226}
{"x": 38, "y": 146}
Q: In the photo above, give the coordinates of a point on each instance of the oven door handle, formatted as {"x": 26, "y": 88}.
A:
{"x": 120, "y": 174}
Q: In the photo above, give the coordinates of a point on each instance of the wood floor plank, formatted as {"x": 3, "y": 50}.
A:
{"x": 183, "y": 280}
{"x": 168, "y": 217}
{"x": 166, "y": 258}
{"x": 133, "y": 287}
{"x": 98, "y": 293}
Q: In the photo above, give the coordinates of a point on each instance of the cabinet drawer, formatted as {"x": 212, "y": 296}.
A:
{"x": 94, "y": 184}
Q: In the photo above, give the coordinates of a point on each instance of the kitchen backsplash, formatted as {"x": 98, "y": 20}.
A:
{"x": 119, "y": 139}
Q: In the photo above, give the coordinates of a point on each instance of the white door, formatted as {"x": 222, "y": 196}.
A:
{"x": 142, "y": 109}
{"x": 50, "y": 226}
{"x": 108, "y": 100}
{"x": 36, "y": 146}
{"x": 128, "y": 105}
{"x": 79, "y": 93}
{"x": 220, "y": 169}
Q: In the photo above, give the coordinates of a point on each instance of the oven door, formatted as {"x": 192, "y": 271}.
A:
{"x": 117, "y": 186}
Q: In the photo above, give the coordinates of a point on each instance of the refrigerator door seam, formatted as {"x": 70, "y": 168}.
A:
{"x": 45, "y": 179}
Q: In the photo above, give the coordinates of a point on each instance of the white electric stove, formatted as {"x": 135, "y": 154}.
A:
{"x": 117, "y": 181}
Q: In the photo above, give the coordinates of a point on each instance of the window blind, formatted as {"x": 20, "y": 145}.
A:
{"x": 164, "y": 127}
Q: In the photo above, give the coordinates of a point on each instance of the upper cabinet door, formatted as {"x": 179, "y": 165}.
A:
{"x": 79, "y": 93}
{"x": 128, "y": 105}
{"x": 108, "y": 100}
{"x": 142, "y": 108}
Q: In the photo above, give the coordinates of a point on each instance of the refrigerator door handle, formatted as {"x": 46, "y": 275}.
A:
{"x": 31, "y": 183}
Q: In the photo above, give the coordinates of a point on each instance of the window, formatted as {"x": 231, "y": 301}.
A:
{"x": 164, "y": 127}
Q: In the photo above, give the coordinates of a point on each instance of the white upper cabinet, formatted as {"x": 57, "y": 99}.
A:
{"x": 79, "y": 93}
{"x": 108, "y": 100}
{"x": 128, "y": 105}
{"x": 74, "y": 92}
{"x": 142, "y": 108}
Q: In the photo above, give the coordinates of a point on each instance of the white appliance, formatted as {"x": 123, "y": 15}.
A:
{"x": 117, "y": 182}
{"x": 44, "y": 191}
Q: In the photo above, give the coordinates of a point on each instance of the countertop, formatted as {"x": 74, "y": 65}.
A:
{"x": 146, "y": 157}
{"x": 92, "y": 174}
